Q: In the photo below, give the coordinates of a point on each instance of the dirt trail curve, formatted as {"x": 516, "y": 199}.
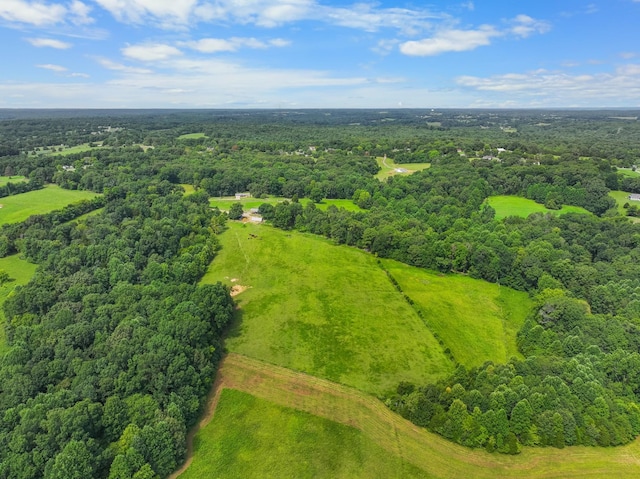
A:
{"x": 431, "y": 453}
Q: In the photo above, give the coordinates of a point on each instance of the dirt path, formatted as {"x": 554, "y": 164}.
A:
{"x": 429, "y": 452}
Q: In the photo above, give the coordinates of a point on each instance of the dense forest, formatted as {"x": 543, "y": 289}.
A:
{"x": 113, "y": 345}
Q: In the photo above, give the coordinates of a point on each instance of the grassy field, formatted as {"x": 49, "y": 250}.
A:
{"x": 628, "y": 172}
{"x": 188, "y": 189}
{"x": 323, "y": 309}
{"x": 18, "y": 208}
{"x": 251, "y": 437}
{"x": 621, "y": 198}
{"x": 518, "y": 206}
{"x": 20, "y": 272}
{"x": 389, "y": 168}
{"x": 478, "y": 321}
{"x": 192, "y": 136}
{"x": 400, "y": 442}
{"x": 12, "y": 179}
{"x": 75, "y": 149}
{"x": 225, "y": 203}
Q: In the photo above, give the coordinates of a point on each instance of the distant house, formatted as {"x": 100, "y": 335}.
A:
{"x": 633, "y": 197}
{"x": 239, "y": 196}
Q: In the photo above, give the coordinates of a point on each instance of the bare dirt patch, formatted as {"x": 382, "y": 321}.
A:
{"x": 236, "y": 289}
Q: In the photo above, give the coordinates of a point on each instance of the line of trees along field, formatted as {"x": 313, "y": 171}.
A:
{"x": 113, "y": 345}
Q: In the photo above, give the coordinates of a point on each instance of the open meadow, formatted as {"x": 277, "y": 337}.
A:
{"x": 224, "y": 203}
{"x": 323, "y": 309}
{"x": 506, "y": 205}
{"x": 20, "y": 272}
{"x": 18, "y": 208}
{"x": 12, "y": 179}
{"x": 256, "y": 436}
{"x": 389, "y": 168}
{"x": 478, "y": 321}
{"x": 192, "y": 136}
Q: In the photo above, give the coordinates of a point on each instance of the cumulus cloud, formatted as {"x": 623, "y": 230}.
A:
{"x": 49, "y": 42}
{"x": 215, "y": 45}
{"x": 450, "y": 41}
{"x": 560, "y": 88}
{"x": 54, "y": 68}
{"x": 42, "y": 13}
{"x": 37, "y": 13}
{"x": 456, "y": 40}
{"x": 267, "y": 13}
{"x": 136, "y": 11}
{"x": 150, "y": 52}
{"x": 524, "y": 26}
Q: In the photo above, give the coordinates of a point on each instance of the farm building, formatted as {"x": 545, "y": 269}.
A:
{"x": 633, "y": 197}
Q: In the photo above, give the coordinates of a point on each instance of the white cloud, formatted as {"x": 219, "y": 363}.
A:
{"x": 150, "y": 52}
{"x": 267, "y": 13}
{"x": 137, "y": 11}
{"x": 79, "y": 75}
{"x": 37, "y": 13}
{"x": 524, "y": 26}
{"x": 618, "y": 88}
{"x": 49, "y": 42}
{"x": 43, "y": 13}
{"x": 450, "y": 41}
{"x": 55, "y": 68}
{"x": 114, "y": 66}
{"x": 628, "y": 55}
{"x": 214, "y": 45}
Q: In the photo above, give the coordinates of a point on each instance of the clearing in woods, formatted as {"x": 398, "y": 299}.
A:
{"x": 20, "y": 272}
{"x": 506, "y": 205}
{"x": 389, "y": 168}
{"x": 279, "y": 425}
{"x": 323, "y": 309}
{"x": 18, "y": 208}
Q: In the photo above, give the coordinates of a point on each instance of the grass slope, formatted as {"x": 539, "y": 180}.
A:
{"x": 225, "y": 203}
{"x": 433, "y": 455}
{"x": 517, "y": 206}
{"x": 251, "y": 437}
{"x": 478, "y": 321}
{"x": 323, "y": 309}
{"x": 12, "y": 179}
{"x": 388, "y": 168}
{"x": 21, "y": 272}
{"x": 18, "y": 208}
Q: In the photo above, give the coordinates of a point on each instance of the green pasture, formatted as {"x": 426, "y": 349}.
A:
{"x": 628, "y": 172}
{"x": 75, "y": 149}
{"x": 224, "y": 203}
{"x": 621, "y": 198}
{"x": 388, "y": 168}
{"x": 478, "y": 321}
{"x": 506, "y": 205}
{"x": 192, "y": 136}
{"x": 20, "y": 272}
{"x": 12, "y": 179}
{"x": 323, "y": 309}
{"x": 18, "y": 208}
{"x": 188, "y": 189}
{"x": 251, "y": 437}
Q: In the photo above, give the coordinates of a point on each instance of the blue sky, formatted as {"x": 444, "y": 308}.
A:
{"x": 319, "y": 53}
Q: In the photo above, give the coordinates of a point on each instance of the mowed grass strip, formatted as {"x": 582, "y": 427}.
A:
{"x": 478, "y": 321}
{"x": 327, "y": 310}
{"x": 18, "y": 208}
{"x": 225, "y": 203}
{"x": 389, "y": 168}
{"x": 506, "y": 205}
{"x": 433, "y": 455}
{"x": 192, "y": 136}
{"x": 250, "y": 437}
{"x": 20, "y": 271}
